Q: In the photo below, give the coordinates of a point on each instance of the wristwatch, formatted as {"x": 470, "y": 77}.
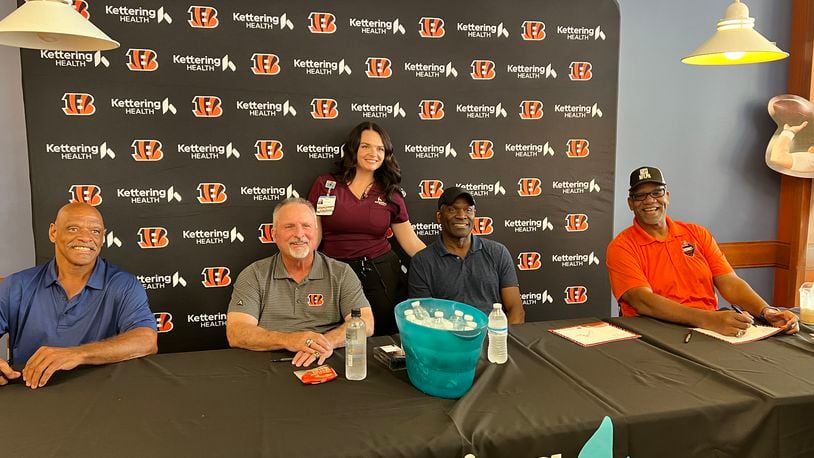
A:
{"x": 763, "y": 312}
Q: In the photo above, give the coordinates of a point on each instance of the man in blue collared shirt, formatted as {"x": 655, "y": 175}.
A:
{"x": 464, "y": 267}
{"x": 76, "y": 309}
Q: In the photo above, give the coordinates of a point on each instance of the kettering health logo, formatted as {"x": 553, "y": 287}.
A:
{"x": 201, "y": 152}
{"x": 481, "y": 111}
{"x": 577, "y": 33}
{"x": 75, "y": 58}
{"x": 536, "y": 298}
{"x": 431, "y": 69}
{"x": 531, "y": 72}
{"x": 204, "y": 63}
{"x": 377, "y": 26}
{"x": 575, "y": 187}
{"x": 213, "y": 236}
{"x": 263, "y": 21}
{"x": 569, "y": 111}
{"x": 426, "y": 229}
{"x": 162, "y": 281}
{"x": 320, "y": 151}
{"x": 269, "y": 193}
{"x": 265, "y": 109}
{"x": 473, "y": 30}
{"x": 529, "y": 149}
{"x": 575, "y": 260}
{"x": 430, "y": 151}
{"x": 81, "y": 151}
{"x": 143, "y": 107}
{"x": 520, "y": 226}
{"x": 378, "y": 111}
{"x": 138, "y": 15}
{"x": 322, "y": 67}
{"x": 140, "y": 196}
{"x": 483, "y": 189}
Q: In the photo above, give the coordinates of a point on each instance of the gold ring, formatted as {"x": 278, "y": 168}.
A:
{"x": 316, "y": 355}
{"x": 741, "y": 333}
{"x": 308, "y": 342}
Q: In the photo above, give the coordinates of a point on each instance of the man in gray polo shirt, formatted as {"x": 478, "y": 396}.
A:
{"x": 464, "y": 267}
{"x": 299, "y": 299}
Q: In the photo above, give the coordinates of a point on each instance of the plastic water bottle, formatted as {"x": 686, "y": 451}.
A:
{"x": 356, "y": 347}
{"x": 420, "y": 312}
{"x": 498, "y": 333}
{"x": 458, "y": 323}
{"x": 409, "y": 315}
{"x": 469, "y": 322}
{"x": 439, "y": 322}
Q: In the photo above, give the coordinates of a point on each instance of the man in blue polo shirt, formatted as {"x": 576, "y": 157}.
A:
{"x": 76, "y": 309}
{"x": 464, "y": 267}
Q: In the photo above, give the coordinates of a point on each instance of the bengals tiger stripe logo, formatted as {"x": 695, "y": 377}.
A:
{"x": 430, "y": 189}
{"x": 265, "y": 233}
{"x": 203, "y": 17}
{"x": 324, "y": 109}
{"x": 529, "y": 260}
{"x": 316, "y": 300}
{"x": 206, "y": 106}
{"x": 78, "y": 104}
{"x": 265, "y": 64}
{"x": 580, "y": 71}
{"x": 576, "y": 222}
{"x": 529, "y": 187}
{"x": 322, "y": 22}
{"x": 481, "y": 149}
{"x": 147, "y": 150}
{"x": 483, "y": 70}
{"x": 152, "y": 237}
{"x": 531, "y": 109}
{"x": 483, "y": 226}
{"x": 81, "y": 7}
{"x": 268, "y": 150}
{"x": 212, "y": 193}
{"x": 142, "y": 60}
{"x": 86, "y": 193}
{"x": 378, "y": 67}
{"x": 533, "y": 30}
{"x": 215, "y": 277}
{"x": 431, "y": 110}
{"x": 431, "y": 27}
{"x": 576, "y": 295}
{"x": 163, "y": 321}
{"x": 577, "y": 147}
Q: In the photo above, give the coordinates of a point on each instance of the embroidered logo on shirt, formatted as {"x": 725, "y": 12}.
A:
{"x": 315, "y": 300}
{"x": 380, "y": 201}
{"x": 687, "y": 248}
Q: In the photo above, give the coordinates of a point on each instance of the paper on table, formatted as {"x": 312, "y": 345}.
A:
{"x": 590, "y": 334}
{"x": 752, "y": 334}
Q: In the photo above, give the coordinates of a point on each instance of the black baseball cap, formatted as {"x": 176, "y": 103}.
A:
{"x": 646, "y": 175}
{"x": 451, "y": 194}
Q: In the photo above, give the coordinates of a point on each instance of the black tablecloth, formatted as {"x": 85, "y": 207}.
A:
{"x": 665, "y": 398}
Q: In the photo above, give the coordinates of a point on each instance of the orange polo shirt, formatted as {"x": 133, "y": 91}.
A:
{"x": 679, "y": 268}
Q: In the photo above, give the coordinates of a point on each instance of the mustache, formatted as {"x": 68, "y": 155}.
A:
{"x": 299, "y": 240}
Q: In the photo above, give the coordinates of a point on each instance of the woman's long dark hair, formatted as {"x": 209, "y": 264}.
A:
{"x": 388, "y": 176}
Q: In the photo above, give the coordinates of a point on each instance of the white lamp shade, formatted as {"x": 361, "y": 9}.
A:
{"x": 52, "y": 24}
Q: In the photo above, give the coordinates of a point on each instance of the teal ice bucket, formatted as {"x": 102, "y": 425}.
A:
{"x": 441, "y": 363}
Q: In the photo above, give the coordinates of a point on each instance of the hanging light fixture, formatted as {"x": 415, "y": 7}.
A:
{"x": 736, "y": 42}
{"x": 52, "y": 24}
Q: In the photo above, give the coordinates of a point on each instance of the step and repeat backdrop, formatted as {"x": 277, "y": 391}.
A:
{"x": 211, "y": 112}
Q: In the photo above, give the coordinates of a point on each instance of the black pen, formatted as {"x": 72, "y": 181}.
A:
{"x": 739, "y": 310}
{"x": 280, "y": 360}
{"x": 689, "y": 335}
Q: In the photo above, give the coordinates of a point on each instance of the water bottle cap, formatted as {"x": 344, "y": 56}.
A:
{"x": 469, "y": 317}
{"x": 459, "y": 313}
{"x": 497, "y": 305}
{"x": 439, "y": 314}
{"x": 356, "y": 313}
{"x": 415, "y": 304}
{"x": 408, "y": 312}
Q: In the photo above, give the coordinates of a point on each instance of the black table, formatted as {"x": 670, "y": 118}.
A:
{"x": 665, "y": 398}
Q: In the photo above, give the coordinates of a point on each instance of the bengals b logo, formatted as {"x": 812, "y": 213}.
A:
{"x": 580, "y": 71}
{"x": 142, "y": 60}
{"x": 268, "y": 150}
{"x": 206, "y": 106}
{"x": 212, "y": 193}
{"x": 266, "y": 235}
{"x": 577, "y": 147}
{"x": 324, "y": 109}
{"x": 481, "y": 149}
{"x": 483, "y": 226}
{"x": 378, "y": 67}
{"x": 78, "y": 104}
{"x": 322, "y": 22}
{"x": 529, "y": 260}
{"x": 81, "y": 7}
{"x": 430, "y": 189}
{"x": 316, "y": 300}
{"x": 203, "y": 17}
{"x": 576, "y": 295}
{"x": 152, "y": 237}
{"x": 163, "y": 321}
{"x": 482, "y": 70}
{"x": 533, "y": 30}
{"x": 147, "y": 150}
{"x": 431, "y": 110}
{"x": 576, "y": 222}
{"x": 531, "y": 109}
{"x": 529, "y": 187}
{"x": 86, "y": 193}
{"x": 431, "y": 27}
{"x": 215, "y": 277}
{"x": 265, "y": 64}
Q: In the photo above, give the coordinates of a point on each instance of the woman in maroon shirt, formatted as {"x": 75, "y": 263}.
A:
{"x": 358, "y": 205}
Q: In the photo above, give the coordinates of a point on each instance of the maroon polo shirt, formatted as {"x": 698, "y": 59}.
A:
{"x": 357, "y": 227}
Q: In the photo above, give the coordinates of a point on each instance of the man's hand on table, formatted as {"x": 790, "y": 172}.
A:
{"x": 309, "y": 347}
{"x": 781, "y": 319}
{"x": 7, "y": 373}
{"x": 727, "y": 322}
{"x": 46, "y": 361}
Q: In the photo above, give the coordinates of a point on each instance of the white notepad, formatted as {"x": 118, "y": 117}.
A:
{"x": 596, "y": 333}
{"x": 752, "y": 334}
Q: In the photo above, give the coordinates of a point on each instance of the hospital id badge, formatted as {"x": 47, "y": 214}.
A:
{"x": 325, "y": 205}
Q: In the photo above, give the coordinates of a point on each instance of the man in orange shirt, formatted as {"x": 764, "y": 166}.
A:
{"x": 669, "y": 270}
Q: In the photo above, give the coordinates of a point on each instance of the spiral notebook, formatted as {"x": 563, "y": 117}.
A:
{"x": 752, "y": 334}
{"x": 597, "y": 333}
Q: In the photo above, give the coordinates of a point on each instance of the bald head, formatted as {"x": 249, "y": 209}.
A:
{"x": 77, "y": 233}
{"x": 78, "y": 209}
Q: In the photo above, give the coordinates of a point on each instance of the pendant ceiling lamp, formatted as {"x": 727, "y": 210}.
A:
{"x": 736, "y": 42}
{"x": 54, "y": 25}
